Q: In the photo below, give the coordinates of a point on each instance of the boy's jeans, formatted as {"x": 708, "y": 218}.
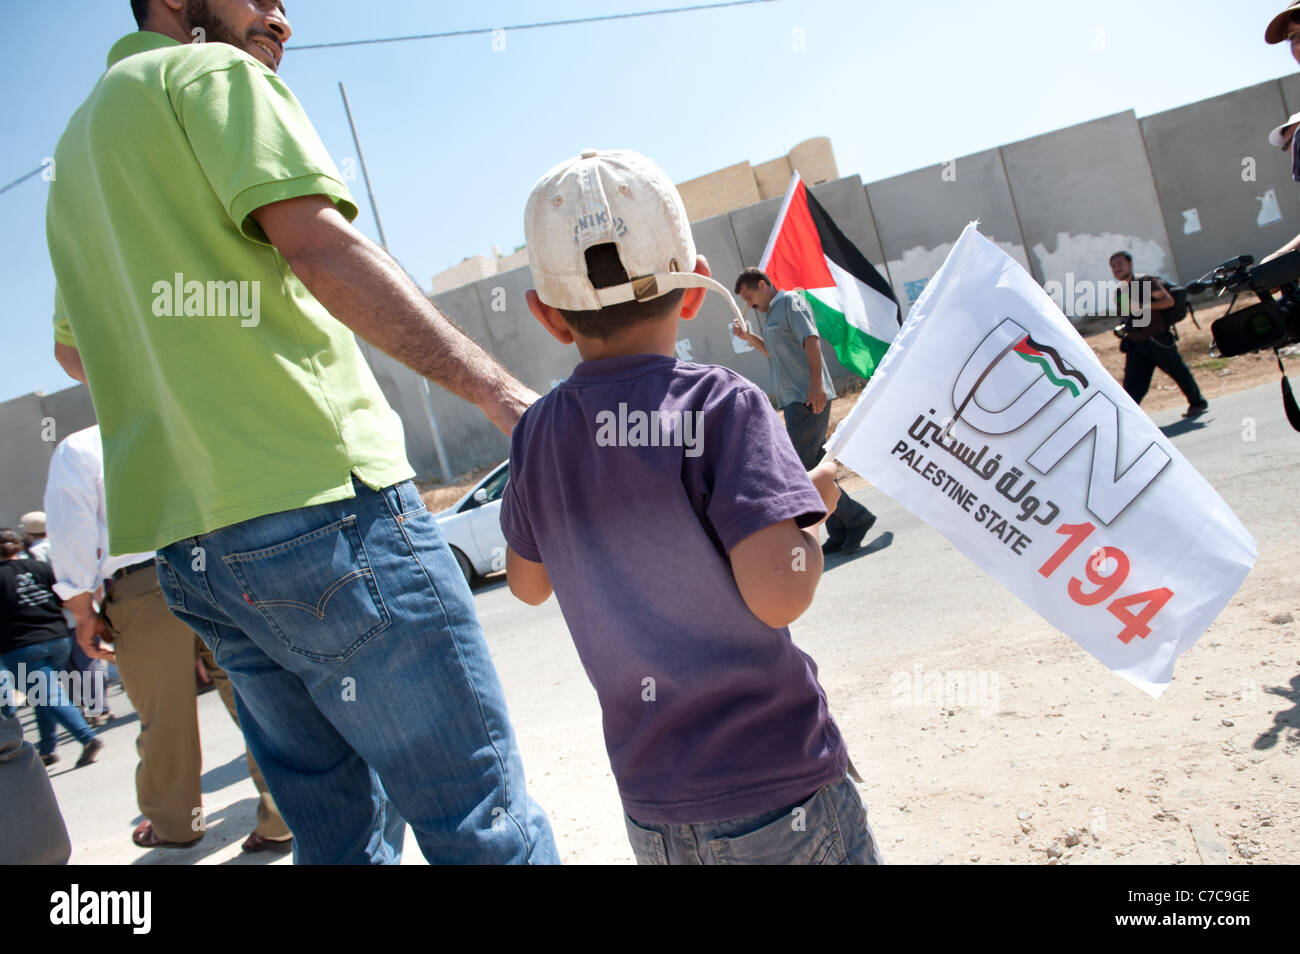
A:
{"x": 351, "y": 639}
{"x": 830, "y": 828}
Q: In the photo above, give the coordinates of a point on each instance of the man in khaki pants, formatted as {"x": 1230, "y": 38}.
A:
{"x": 154, "y": 651}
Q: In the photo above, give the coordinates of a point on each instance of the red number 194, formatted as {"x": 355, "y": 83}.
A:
{"x": 1136, "y": 623}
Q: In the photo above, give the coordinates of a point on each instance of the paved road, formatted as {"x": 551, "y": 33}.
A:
{"x": 870, "y": 605}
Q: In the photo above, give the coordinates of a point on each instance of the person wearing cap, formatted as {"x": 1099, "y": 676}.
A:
{"x": 154, "y": 651}
{"x": 252, "y": 449}
{"x": 804, "y": 390}
{"x": 1285, "y": 27}
{"x": 32, "y": 526}
{"x": 663, "y": 504}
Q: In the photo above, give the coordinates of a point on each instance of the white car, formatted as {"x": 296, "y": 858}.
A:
{"x": 472, "y": 526}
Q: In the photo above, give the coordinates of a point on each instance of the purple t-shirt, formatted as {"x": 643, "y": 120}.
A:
{"x": 709, "y": 714}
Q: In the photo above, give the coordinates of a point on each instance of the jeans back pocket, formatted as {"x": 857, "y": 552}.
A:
{"x": 648, "y": 846}
{"x": 169, "y": 583}
{"x": 807, "y": 835}
{"x": 317, "y": 592}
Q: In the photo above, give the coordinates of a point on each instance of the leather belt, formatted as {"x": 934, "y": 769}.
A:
{"x": 128, "y": 570}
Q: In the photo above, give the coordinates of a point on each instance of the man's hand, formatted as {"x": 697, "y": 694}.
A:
{"x": 363, "y": 287}
{"x": 741, "y": 330}
{"x": 94, "y": 635}
{"x": 816, "y": 397}
{"x": 1160, "y": 297}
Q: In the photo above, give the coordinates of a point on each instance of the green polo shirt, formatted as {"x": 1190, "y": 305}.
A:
{"x": 224, "y": 390}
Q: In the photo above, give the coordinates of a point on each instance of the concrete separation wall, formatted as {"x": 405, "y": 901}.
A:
{"x": 920, "y": 215}
{"x": 30, "y": 428}
{"x": 1083, "y": 193}
{"x": 1224, "y": 190}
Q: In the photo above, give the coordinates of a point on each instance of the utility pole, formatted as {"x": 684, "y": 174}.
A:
{"x": 374, "y": 208}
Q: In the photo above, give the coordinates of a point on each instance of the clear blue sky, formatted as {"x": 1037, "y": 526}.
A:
{"x": 456, "y": 133}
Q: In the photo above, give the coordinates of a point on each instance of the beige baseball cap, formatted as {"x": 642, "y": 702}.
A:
{"x": 1277, "y": 27}
{"x": 32, "y": 523}
{"x": 1281, "y": 136}
{"x": 614, "y": 197}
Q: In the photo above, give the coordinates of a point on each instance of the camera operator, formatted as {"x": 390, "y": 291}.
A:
{"x": 1286, "y": 27}
{"x": 1147, "y": 341}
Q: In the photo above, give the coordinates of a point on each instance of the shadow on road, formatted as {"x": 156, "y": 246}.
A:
{"x": 219, "y": 776}
{"x": 834, "y": 560}
{"x": 232, "y": 823}
{"x": 1183, "y": 427}
{"x": 1286, "y": 719}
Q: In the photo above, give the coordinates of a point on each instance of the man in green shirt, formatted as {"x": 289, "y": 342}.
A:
{"x": 208, "y": 286}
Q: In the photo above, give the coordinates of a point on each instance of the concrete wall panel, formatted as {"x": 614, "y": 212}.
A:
{"x": 26, "y": 458}
{"x": 25, "y": 424}
{"x": 1083, "y": 193}
{"x": 1224, "y": 190}
{"x": 517, "y": 338}
{"x": 920, "y": 215}
{"x": 1291, "y": 95}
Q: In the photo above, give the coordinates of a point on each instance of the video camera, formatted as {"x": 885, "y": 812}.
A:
{"x": 1269, "y": 323}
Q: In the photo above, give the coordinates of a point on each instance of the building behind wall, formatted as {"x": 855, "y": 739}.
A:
{"x": 743, "y": 184}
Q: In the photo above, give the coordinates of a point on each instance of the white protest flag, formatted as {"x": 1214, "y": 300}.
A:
{"x": 993, "y": 421}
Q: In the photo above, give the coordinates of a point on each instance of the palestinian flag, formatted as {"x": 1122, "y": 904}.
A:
{"x": 854, "y": 307}
{"x": 1047, "y": 358}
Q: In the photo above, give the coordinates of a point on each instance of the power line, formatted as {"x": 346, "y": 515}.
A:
{"x": 529, "y": 26}
{"x": 487, "y": 30}
{"x": 23, "y": 178}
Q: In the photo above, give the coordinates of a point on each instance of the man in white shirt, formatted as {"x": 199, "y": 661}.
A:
{"x": 154, "y": 651}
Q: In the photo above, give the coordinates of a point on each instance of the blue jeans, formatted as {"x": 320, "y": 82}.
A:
{"x": 52, "y": 707}
{"x": 364, "y": 685}
{"x": 829, "y": 828}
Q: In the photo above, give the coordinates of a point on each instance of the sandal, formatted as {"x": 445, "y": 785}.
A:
{"x": 255, "y": 843}
{"x": 145, "y": 837}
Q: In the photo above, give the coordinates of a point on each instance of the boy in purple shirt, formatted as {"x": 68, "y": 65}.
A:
{"x": 665, "y": 506}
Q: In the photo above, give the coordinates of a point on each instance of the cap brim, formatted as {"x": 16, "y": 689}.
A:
{"x": 656, "y": 285}
{"x": 1276, "y": 31}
